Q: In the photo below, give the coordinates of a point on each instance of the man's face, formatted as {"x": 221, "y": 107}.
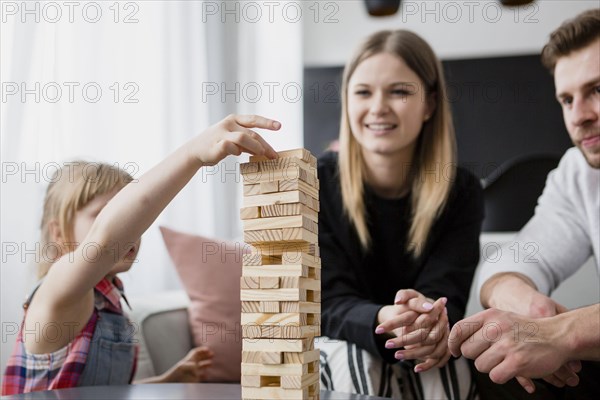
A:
{"x": 577, "y": 80}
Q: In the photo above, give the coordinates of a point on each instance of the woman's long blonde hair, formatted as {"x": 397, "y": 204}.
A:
{"x": 71, "y": 188}
{"x": 433, "y": 167}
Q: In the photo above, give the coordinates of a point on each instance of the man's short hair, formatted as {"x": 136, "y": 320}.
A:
{"x": 572, "y": 35}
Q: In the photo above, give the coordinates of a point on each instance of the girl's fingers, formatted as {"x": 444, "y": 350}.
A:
{"x": 268, "y": 150}
{"x": 255, "y": 121}
{"x": 247, "y": 141}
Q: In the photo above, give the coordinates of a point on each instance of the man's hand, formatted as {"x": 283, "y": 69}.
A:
{"x": 508, "y": 345}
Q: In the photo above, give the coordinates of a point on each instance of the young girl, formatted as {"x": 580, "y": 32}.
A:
{"x": 398, "y": 228}
{"x": 74, "y": 332}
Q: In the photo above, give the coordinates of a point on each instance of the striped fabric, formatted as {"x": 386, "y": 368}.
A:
{"x": 350, "y": 369}
{"x": 26, "y": 372}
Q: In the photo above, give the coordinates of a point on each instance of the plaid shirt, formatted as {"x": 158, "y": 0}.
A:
{"x": 26, "y": 372}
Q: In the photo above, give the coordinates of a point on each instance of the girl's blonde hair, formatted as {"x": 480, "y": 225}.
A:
{"x": 72, "y": 187}
{"x": 434, "y": 163}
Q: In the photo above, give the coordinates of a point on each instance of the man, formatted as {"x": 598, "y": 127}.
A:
{"x": 526, "y": 334}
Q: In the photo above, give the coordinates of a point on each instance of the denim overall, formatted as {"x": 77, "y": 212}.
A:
{"x": 111, "y": 355}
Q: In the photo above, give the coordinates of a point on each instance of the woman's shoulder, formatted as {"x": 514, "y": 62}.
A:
{"x": 465, "y": 179}
{"x": 328, "y": 161}
{"x": 327, "y": 167}
{"x": 466, "y": 185}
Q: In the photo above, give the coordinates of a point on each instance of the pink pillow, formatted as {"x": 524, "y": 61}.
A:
{"x": 210, "y": 271}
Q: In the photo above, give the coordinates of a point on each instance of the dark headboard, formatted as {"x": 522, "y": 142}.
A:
{"x": 503, "y": 108}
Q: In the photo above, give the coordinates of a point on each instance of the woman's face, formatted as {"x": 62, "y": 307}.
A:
{"x": 387, "y": 106}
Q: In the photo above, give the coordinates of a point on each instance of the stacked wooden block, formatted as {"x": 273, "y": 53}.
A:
{"x": 281, "y": 279}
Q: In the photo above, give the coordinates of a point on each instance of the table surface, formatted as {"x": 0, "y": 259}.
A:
{"x": 176, "y": 391}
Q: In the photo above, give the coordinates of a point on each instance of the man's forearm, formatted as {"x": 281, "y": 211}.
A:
{"x": 583, "y": 339}
{"x": 501, "y": 289}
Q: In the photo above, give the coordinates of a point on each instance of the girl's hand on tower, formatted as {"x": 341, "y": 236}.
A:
{"x": 233, "y": 136}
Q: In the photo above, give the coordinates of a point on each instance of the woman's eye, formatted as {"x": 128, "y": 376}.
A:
{"x": 361, "y": 92}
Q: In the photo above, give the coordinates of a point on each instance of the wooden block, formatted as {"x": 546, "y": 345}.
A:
{"x": 249, "y": 282}
{"x": 250, "y": 381}
{"x": 302, "y": 154}
{"x": 281, "y": 210}
{"x": 258, "y": 259}
{"x": 251, "y": 306}
{"x": 274, "y": 393}
{"x": 263, "y": 236}
{"x": 249, "y": 213}
{"x": 292, "y": 294}
{"x": 269, "y": 187}
{"x": 300, "y": 306}
{"x": 249, "y": 168}
{"x": 294, "y": 196}
{"x": 277, "y": 249}
{"x": 315, "y": 296}
{"x": 300, "y": 234}
{"x": 277, "y": 270}
{"x": 289, "y": 173}
{"x": 297, "y": 184}
{"x": 280, "y": 345}
{"x": 269, "y": 307}
{"x": 262, "y": 357}
{"x": 299, "y": 257}
{"x": 301, "y": 358}
{"x": 280, "y": 332}
{"x": 283, "y": 163}
{"x": 280, "y": 235}
{"x": 251, "y": 190}
{"x": 293, "y": 221}
{"x": 274, "y": 370}
{"x": 275, "y": 319}
{"x": 298, "y": 282}
{"x": 260, "y": 381}
{"x": 281, "y": 306}
{"x": 252, "y": 259}
{"x": 268, "y": 282}
{"x": 299, "y": 382}
{"x": 273, "y": 223}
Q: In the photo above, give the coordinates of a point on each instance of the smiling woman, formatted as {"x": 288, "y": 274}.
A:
{"x": 398, "y": 228}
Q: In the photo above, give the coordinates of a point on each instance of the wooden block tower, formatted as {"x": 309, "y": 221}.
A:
{"x": 281, "y": 278}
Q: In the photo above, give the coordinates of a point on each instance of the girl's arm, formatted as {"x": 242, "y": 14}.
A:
{"x": 66, "y": 296}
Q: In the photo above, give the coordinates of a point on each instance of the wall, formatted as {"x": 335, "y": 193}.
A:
{"x": 455, "y": 29}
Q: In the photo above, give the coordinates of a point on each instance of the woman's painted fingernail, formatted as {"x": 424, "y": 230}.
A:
{"x": 418, "y": 369}
{"x": 427, "y": 306}
{"x": 444, "y": 300}
{"x": 379, "y": 330}
{"x": 389, "y": 345}
{"x": 399, "y": 356}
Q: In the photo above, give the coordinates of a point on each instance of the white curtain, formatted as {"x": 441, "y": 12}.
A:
{"x": 127, "y": 83}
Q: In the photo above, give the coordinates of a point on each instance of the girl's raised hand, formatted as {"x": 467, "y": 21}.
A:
{"x": 233, "y": 136}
